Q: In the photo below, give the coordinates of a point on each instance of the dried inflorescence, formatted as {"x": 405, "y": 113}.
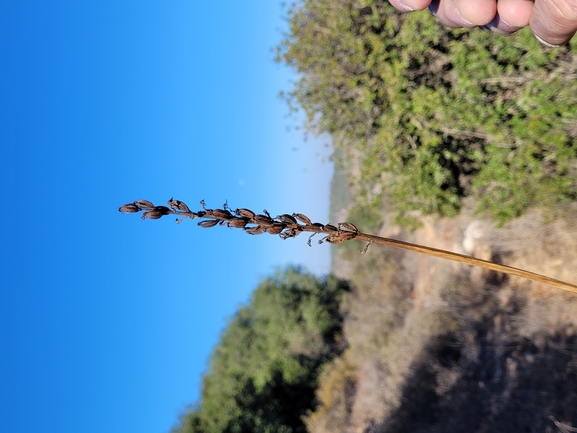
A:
{"x": 290, "y": 226}
{"x": 285, "y": 225}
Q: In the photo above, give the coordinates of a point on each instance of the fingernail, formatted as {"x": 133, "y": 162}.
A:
{"x": 547, "y": 44}
{"x": 463, "y": 19}
{"x": 406, "y": 7}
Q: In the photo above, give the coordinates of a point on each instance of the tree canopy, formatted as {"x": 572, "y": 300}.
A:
{"x": 263, "y": 374}
{"x": 428, "y": 116}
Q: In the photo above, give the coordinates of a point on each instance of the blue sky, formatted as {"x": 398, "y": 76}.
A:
{"x": 107, "y": 321}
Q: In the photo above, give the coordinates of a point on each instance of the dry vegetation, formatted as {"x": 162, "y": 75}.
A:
{"x": 438, "y": 346}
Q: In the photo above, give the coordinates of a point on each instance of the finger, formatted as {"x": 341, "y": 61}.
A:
{"x": 512, "y": 15}
{"x": 464, "y": 13}
{"x": 410, "y": 5}
{"x": 516, "y": 13}
{"x": 401, "y": 6}
{"x": 554, "y": 22}
{"x": 500, "y": 26}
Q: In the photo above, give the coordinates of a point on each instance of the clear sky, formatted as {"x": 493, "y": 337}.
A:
{"x": 107, "y": 321}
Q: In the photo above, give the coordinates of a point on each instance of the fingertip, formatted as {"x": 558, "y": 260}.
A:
{"x": 516, "y": 13}
{"x": 416, "y": 5}
{"x": 551, "y": 24}
{"x": 477, "y": 13}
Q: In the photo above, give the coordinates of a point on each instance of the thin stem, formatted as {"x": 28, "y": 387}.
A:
{"x": 456, "y": 257}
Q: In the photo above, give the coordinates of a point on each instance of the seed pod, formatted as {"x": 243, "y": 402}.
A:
{"x": 208, "y": 223}
{"x": 220, "y": 214}
{"x": 144, "y": 204}
{"x": 178, "y": 205}
{"x": 129, "y": 208}
{"x": 329, "y": 228}
{"x": 162, "y": 209}
{"x": 245, "y": 213}
{"x": 262, "y": 220}
{"x": 287, "y": 219}
{"x": 153, "y": 214}
{"x": 333, "y": 239}
{"x": 348, "y": 226}
{"x": 276, "y": 228}
{"x": 237, "y": 223}
{"x": 319, "y": 226}
{"x": 341, "y": 237}
{"x": 302, "y": 218}
{"x": 257, "y": 230}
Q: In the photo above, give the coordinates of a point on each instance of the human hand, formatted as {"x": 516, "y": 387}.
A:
{"x": 553, "y": 22}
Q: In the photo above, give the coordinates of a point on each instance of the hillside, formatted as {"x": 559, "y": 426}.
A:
{"x": 437, "y": 346}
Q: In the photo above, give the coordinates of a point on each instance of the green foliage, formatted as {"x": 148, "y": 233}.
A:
{"x": 264, "y": 372}
{"x": 432, "y": 115}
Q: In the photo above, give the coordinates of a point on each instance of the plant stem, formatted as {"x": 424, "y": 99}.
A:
{"x": 462, "y": 258}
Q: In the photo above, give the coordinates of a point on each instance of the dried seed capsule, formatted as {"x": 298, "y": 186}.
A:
{"x": 333, "y": 240}
{"x": 341, "y": 237}
{"x": 144, "y": 204}
{"x": 129, "y": 208}
{"x": 262, "y": 220}
{"x": 257, "y": 230}
{"x": 220, "y": 214}
{"x": 302, "y": 218}
{"x": 162, "y": 209}
{"x": 245, "y": 213}
{"x": 329, "y": 228}
{"x": 276, "y": 228}
{"x": 152, "y": 214}
{"x": 319, "y": 226}
{"x": 208, "y": 223}
{"x": 237, "y": 223}
{"x": 178, "y": 205}
{"x": 348, "y": 226}
{"x": 287, "y": 219}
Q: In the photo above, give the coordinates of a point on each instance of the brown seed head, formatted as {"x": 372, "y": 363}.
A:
{"x": 329, "y": 228}
{"x": 220, "y": 214}
{"x": 144, "y": 204}
{"x": 245, "y": 213}
{"x": 178, "y": 205}
{"x": 153, "y": 214}
{"x": 348, "y": 226}
{"x": 208, "y": 223}
{"x": 129, "y": 208}
{"x": 262, "y": 220}
{"x": 287, "y": 219}
{"x": 276, "y": 228}
{"x": 237, "y": 223}
{"x": 257, "y": 230}
{"x": 302, "y": 218}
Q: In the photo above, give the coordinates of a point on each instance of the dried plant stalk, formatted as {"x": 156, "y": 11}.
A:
{"x": 290, "y": 226}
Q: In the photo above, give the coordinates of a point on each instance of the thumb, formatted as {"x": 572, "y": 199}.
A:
{"x": 554, "y": 22}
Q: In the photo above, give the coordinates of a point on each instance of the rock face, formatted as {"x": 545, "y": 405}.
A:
{"x": 437, "y": 346}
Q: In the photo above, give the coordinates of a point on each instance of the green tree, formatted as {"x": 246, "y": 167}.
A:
{"x": 263, "y": 374}
{"x": 429, "y": 116}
